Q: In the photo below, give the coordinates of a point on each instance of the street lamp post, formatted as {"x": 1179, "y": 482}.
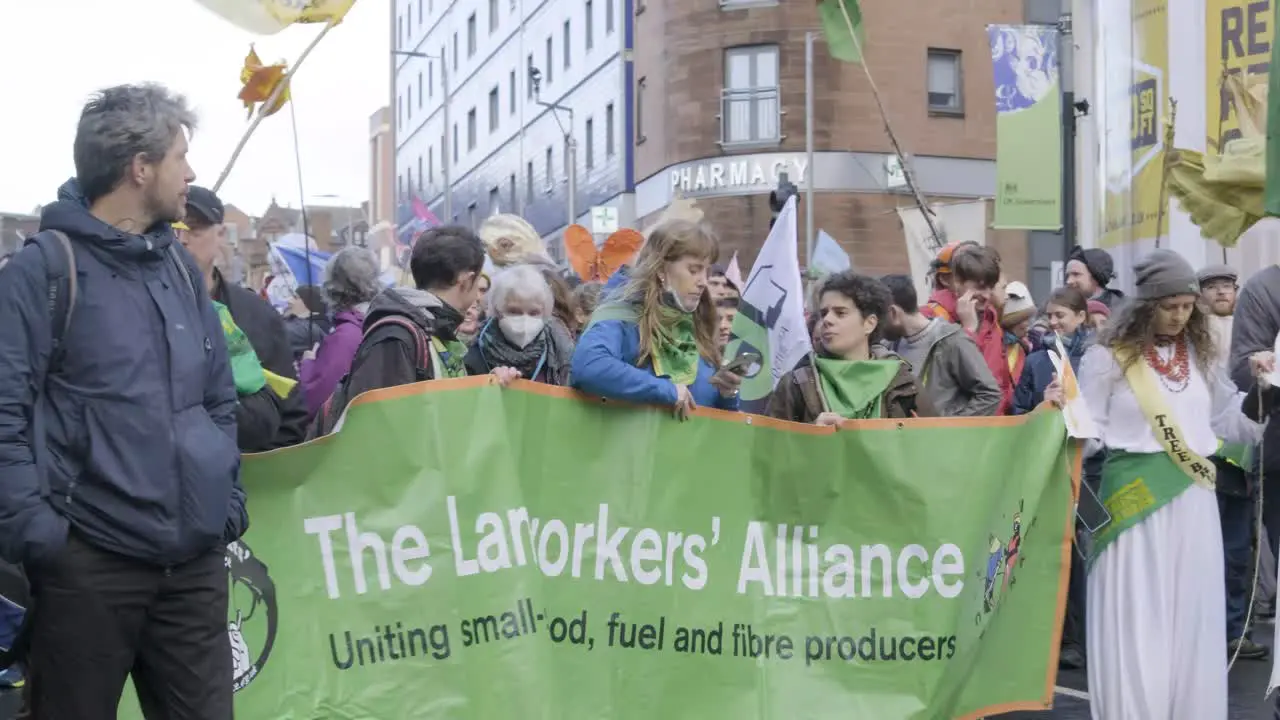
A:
{"x": 571, "y": 145}
{"x": 445, "y": 142}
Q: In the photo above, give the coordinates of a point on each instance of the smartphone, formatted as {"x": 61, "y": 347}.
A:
{"x": 743, "y": 362}
{"x": 1090, "y": 510}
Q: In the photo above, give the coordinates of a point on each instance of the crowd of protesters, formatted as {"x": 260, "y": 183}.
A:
{"x": 121, "y": 431}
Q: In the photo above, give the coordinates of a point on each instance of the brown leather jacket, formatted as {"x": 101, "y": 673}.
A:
{"x": 796, "y": 397}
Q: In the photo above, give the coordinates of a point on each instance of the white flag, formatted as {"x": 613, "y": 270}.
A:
{"x": 770, "y": 319}
{"x": 733, "y": 273}
{"x": 828, "y": 256}
{"x": 956, "y": 222}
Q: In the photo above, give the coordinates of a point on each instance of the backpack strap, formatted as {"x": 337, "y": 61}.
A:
{"x": 427, "y": 356}
{"x": 61, "y": 291}
{"x": 807, "y": 381}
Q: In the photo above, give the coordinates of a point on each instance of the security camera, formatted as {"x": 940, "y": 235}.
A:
{"x": 535, "y": 79}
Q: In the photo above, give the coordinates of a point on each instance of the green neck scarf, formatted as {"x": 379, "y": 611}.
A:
{"x": 853, "y": 388}
{"x": 452, "y": 354}
{"x": 675, "y": 351}
{"x": 245, "y": 367}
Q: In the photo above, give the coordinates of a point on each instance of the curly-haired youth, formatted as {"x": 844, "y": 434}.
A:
{"x": 868, "y": 294}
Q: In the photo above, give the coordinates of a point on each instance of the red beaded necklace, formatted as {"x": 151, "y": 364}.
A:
{"x": 1174, "y": 373}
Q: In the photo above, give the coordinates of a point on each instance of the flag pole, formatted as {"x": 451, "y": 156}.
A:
{"x": 893, "y": 138}
{"x": 306, "y": 227}
{"x": 262, "y": 109}
{"x": 1164, "y": 163}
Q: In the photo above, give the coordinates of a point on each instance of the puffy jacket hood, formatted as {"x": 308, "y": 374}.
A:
{"x": 418, "y": 305}
{"x": 70, "y": 214}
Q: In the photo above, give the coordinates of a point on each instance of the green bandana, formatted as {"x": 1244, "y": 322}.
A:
{"x": 853, "y": 388}
{"x": 244, "y": 361}
{"x": 675, "y": 352}
{"x": 452, "y": 355}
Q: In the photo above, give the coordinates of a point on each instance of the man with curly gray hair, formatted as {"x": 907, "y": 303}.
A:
{"x": 120, "y": 507}
{"x": 351, "y": 280}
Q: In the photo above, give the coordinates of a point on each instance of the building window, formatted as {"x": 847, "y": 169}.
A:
{"x": 528, "y": 182}
{"x": 431, "y": 79}
{"x": 549, "y": 69}
{"x": 455, "y": 143}
{"x": 431, "y": 165}
{"x": 399, "y": 32}
{"x": 640, "y": 88}
{"x": 471, "y": 216}
{"x": 590, "y": 23}
{"x": 420, "y": 185}
{"x": 511, "y": 193}
{"x": 494, "y": 109}
{"x": 568, "y": 159}
{"x": 471, "y": 35}
{"x": 495, "y": 201}
{"x": 455, "y": 51}
{"x": 399, "y": 112}
{"x": 528, "y": 72}
{"x": 550, "y": 176}
{"x": 511, "y": 100}
{"x": 493, "y": 16}
{"x": 749, "y": 102}
{"x": 419, "y": 88}
{"x": 568, "y": 44}
{"x": 419, "y": 12}
{"x": 944, "y": 82}
{"x": 589, "y": 136}
{"x": 608, "y": 130}
{"x": 408, "y": 103}
{"x": 608, "y": 16}
{"x": 471, "y": 129}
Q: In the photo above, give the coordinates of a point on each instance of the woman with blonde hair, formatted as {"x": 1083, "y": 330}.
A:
{"x": 655, "y": 341}
{"x": 1157, "y": 612}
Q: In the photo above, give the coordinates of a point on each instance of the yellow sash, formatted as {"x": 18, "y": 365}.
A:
{"x": 1142, "y": 380}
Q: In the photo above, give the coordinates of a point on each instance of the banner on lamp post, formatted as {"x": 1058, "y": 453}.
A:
{"x": 1028, "y": 97}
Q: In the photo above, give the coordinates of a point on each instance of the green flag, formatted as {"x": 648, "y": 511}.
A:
{"x": 460, "y": 550}
{"x": 1272, "y": 191}
{"x": 837, "y": 16}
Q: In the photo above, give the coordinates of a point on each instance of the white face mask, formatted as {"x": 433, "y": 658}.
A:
{"x": 521, "y": 329}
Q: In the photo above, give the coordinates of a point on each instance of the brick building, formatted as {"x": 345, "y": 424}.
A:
{"x": 720, "y": 107}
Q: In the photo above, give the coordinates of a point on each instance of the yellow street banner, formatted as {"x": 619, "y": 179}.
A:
{"x": 1135, "y": 48}
{"x": 1238, "y": 40}
{"x": 267, "y": 17}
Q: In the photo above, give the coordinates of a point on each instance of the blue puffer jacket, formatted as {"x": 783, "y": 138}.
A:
{"x": 1037, "y": 373}
{"x": 140, "y": 420}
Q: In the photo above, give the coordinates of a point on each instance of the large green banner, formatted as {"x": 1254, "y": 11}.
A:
{"x": 461, "y": 550}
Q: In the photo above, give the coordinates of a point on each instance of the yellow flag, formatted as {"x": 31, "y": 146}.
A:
{"x": 259, "y": 82}
{"x": 267, "y": 17}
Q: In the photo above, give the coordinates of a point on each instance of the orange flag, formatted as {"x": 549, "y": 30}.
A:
{"x": 597, "y": 265}
{"x": 260, "y": 81}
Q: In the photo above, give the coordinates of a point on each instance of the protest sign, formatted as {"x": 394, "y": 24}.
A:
{"x": 461, "y": 550}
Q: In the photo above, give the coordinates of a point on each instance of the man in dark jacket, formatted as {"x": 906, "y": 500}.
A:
{"x": 265, "y": 420}
{"x": 123, "y": 519}
{"x": 1090, "y": 271}
{"x": 446, "y": 265}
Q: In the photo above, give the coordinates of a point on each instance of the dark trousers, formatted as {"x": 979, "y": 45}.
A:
{"x": 99, "y": 618}
{"x": 1236, "y": 514}
{"x": 1077, "y": 592}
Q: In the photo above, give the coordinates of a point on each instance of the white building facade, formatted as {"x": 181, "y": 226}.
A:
{"x": 503, "y": 149}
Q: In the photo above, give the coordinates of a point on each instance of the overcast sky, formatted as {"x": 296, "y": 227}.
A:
{"x": 56, "y": 54}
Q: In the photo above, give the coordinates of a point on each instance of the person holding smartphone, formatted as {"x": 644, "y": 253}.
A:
{"x": 655, "y": 341}
{"x": 852, "y": 377}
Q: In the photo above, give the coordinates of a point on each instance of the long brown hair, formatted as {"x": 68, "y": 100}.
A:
{"x": 1132, "y": 330}
{"x": 670, "y": 241}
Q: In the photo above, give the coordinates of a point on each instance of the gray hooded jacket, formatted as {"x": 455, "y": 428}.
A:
{"x": 950, "y": 367}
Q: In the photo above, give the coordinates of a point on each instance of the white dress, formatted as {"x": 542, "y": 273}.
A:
{"x": 1156, "y": 626}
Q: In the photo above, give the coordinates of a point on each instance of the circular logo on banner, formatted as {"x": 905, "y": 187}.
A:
{"x": 252, "y": 614}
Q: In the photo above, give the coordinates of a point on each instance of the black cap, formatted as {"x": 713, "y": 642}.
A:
{"x": 204, "y": 206}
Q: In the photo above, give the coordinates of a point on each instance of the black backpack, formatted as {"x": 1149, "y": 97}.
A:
{"x": 326, "y": 421}
{"x": 61, "y": 293}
